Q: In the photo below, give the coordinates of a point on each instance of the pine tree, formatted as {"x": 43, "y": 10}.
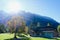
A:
{"x": 38, "y": 24}
{"x": 48, "y": 24}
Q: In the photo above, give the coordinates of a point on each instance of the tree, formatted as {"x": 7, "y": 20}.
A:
{"x": 48, "y": 24}
{"x": 2, "y": 28}
{"x": 38, "y": 24}
{"x": 26, "y": 30}
{"x": 16, "y": 24}
{"x": 58, "y": 28}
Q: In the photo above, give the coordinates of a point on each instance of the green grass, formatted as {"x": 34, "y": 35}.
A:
{"x": 39, "y": 38}
{"x": 6, "y": 36}
{"x": 9, "y": 36}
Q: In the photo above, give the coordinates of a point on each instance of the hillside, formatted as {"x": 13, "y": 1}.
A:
{"x": 29, "y": 18}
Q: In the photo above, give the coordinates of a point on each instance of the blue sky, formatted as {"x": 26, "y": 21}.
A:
{"x": 50, "y": 8}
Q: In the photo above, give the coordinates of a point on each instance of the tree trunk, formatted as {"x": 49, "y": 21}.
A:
{"x": 15, "y": 34}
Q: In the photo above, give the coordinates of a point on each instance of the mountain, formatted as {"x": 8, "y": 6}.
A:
{"x": 30, "y": 18}
{"x": 43, "y": 20}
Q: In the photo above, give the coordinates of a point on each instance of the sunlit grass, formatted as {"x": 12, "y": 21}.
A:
{"x": 39, "y": 38}
{"x": 6, "y": 36}
{"x": 9, "y": 36}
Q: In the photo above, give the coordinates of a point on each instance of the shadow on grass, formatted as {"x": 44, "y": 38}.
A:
{"x": 24, "y": 38}
{"x": 13, "y": 39}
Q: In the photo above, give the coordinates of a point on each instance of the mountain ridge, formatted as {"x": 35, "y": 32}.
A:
{"x": 29, "y": 17}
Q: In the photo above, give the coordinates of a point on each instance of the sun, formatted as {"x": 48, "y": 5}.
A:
{"x": 13, "y": 7}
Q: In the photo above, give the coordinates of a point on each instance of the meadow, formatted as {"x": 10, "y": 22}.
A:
{"x": 9, "y": 36}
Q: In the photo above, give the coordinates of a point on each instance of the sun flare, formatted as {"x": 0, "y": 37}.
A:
{"x": 13, "y": 7}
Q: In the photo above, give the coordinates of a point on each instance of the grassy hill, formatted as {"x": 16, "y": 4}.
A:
{"x": 9, "y": 36}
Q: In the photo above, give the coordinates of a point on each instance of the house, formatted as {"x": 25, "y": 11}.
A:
{"x": 48, "y": 32}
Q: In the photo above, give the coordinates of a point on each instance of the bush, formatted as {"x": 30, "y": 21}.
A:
{"x": 24, "y": 37}
{"x": 21, "y": 35}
